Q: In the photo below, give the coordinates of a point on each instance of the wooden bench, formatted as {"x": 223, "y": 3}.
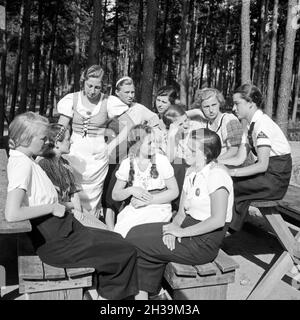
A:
{"x": 201, "y": 282}
{"x": 271, "y": 211}
{"x": 37, "y": 280}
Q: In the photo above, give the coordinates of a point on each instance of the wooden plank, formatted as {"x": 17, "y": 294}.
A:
{"x": 281, "y": 230}
{"x": 30, "y": 267}
{"x": 225, "y": 262}
{"x": 54, "y": 273}
{"x": 182, "y": 269}
{"x": 289, "y": 212}
{"x": 75, "y": 272}
{"x": 179, "y": 282}
{"x": 291, "y": 199}
{"x": 29, "y": 286}
{"x": 201, "y": 293}
{"x": 264, "y": 204}
{"x": 65, "y": 294}
{"x": 206, "y": 269}
{"x": 274, "y": 275}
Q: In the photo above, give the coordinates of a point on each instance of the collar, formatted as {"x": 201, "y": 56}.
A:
{"x": 257, "y": 115}
{"x": 17, "y": 153}
{"x": 203, "y": 172}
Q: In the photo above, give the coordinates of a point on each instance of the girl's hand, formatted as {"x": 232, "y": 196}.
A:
{"x": 172, "y": 229}
{"x": 140, "y": 193}
{"x": 137, "y": 203}
{"x": 174, "y": 128}
{"x": 58, "y": 210}
{"x": 169, "y": 240}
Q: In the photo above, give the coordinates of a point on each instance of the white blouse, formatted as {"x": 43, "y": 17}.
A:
{"x": 198, "y": 187}
{"x": 24, "y": 173}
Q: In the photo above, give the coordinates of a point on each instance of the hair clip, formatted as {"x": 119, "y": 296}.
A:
{"x": 122, "y": 79}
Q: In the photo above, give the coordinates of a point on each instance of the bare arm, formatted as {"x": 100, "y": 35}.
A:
{"x": 238, "y": 159}
{"x": 219, "y": 202}
{"x": 64, "y": 120}
{"x": 168, "y": 195}
{"x": 230, "y": 153}
{"x": 76, "y": 201}
{"x": 263, "y": 156}
{"x": 14, "y": 211}
{"x": 120, "y": 192}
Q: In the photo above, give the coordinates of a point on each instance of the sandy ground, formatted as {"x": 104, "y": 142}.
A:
{"x": 254, "y": 248}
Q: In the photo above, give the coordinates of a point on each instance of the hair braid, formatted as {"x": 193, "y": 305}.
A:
{"x": 131, "y": 170}
{"x": 153, "y": 171}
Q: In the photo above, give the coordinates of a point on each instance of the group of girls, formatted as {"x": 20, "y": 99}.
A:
{"x": 61, "y": 195}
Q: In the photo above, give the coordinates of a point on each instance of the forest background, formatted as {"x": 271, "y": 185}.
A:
{"x": 45, "y": 44}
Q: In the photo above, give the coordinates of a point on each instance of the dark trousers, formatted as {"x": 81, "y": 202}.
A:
{"x": 153, "y": 255}
{"x": 113, "y": 258}
{"x": 270, "y": 185}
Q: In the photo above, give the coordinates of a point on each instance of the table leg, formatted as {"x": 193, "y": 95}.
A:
{"x": 274, "y": 275}
{"x": 2, "y": 278}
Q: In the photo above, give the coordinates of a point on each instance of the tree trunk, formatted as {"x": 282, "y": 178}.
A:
{"x": 37, "y": 57}
{"x": 272, "y": 64}
{"x": 245, "y": 39}
{"x": 184, "y": 52}
{"x": 16, "y": 69}
{"x": 149, "y": 53}
{"x": 25, "y": 56}
{"x": 52, "y": 90}
{"x": 43, "y": 108}
{"x": 3, "y": 67}
{"x": 76, "y": 60}
{"x": 260, "y": 61}
{"x": 138, "y": 52}
{"x": 296, "y": 95}
{"x": 116, "y": 47}
{"x": 162, "y": 45}
{"x": 287, "y": 68}
{"x": 95, "y": 36}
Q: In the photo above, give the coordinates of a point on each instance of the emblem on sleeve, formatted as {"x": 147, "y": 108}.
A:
{"x": 262, "y": 135}
{"x": 197, "y": 192}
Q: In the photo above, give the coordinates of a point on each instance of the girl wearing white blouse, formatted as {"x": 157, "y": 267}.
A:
{"x": 268, "y": 178}
{"x": 60, "y": 240}
{"x": 147, "y": 178}
{"x": 197, "y": 231}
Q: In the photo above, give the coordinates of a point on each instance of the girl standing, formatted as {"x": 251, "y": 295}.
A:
{"x": 148, "y": 178}
{"x": 60, "y": 240}
{"x": 86, "y": 111}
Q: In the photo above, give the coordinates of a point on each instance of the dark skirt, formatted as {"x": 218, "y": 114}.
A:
{"x": 153, "y": 255}
{"x": 270, "y": 185}
{"x": 113, "y": 258}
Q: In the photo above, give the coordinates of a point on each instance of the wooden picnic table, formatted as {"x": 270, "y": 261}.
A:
{"x": 271, "y": 211}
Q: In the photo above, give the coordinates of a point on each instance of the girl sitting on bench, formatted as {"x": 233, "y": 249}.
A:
{"x": 61, "y": 175}
{"x": 61, "y": 240}
{"x": 148, "y": 178}
{"x": 268, "y": 178}
{"x": 197, "y": 231}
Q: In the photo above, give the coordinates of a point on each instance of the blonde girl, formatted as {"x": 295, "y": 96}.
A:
{"x": 61, "y": 240}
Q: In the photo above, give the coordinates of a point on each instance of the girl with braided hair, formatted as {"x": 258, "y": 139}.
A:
{"x": 146, "y": 178}
{"x": 61, "y": 175}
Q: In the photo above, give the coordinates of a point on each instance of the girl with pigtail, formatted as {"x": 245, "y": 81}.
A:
{"x": 147, "y": 179}
{"x": 61, "y": 175}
